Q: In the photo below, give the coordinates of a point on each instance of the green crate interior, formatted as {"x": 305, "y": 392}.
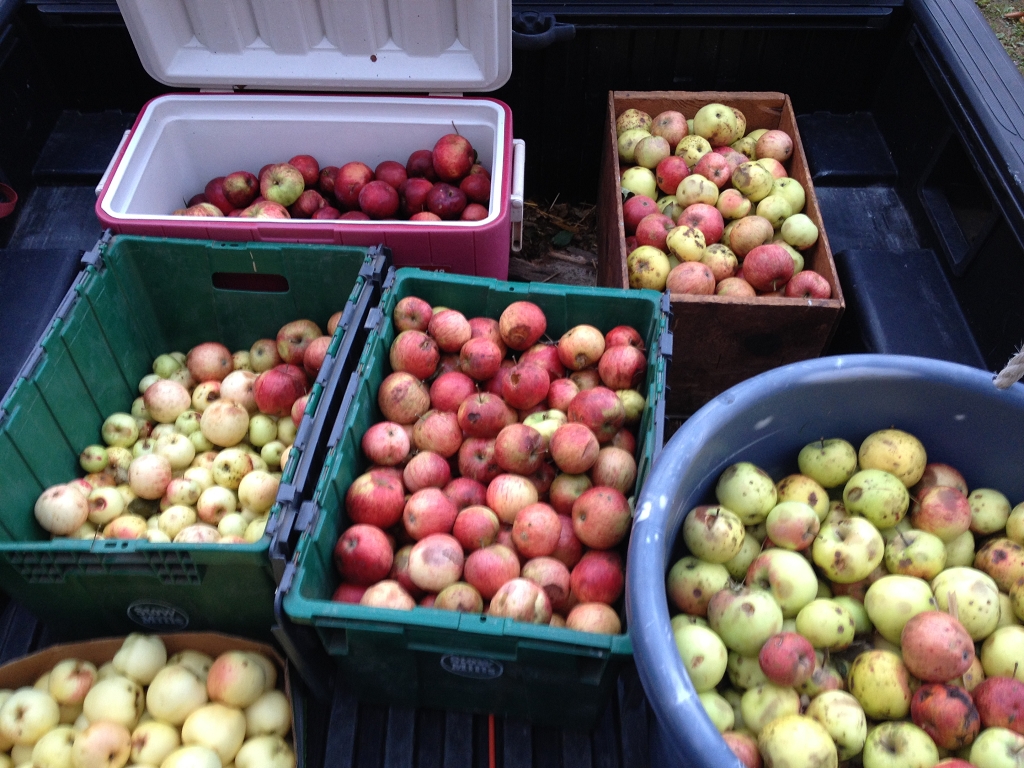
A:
{"x": 542, "y": 667}
{"x": 149, "y": 296}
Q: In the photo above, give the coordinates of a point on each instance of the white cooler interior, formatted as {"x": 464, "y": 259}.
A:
{"x": 183, "y": 141}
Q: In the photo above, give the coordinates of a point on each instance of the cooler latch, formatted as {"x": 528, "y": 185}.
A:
{"x": 516, "y": 201}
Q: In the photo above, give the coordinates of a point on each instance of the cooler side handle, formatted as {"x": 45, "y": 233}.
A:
{"x": 113, "y": 161}
{"x": 516, "y": 200}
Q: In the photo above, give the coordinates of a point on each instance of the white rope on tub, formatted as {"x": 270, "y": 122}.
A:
{"x": 1012, "y": 373}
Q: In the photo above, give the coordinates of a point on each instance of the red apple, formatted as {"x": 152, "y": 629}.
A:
{"x": 484, "y": 415}
{"x": 634, "y": 209}
{"x": 669, "y": 172}
{"x": 1000, "y": 703}
{"x": 426, "y": 469}
{"x": 428, "y": 511}
{"x": 415, "y": 352}
{"x": 293, "y": 338}
{"x": 412, "y": 313}
{"x": 354, "y": 215}
{"x": 363, "y": 555}
{"x": 519, "y": 449}
{"x": 480, "y": 358}
{"x": 376, "y": 498}
{"x": 450, "y": 329}
{"x": 349, "y": 181}
{"x": 808, "y": 285}
{"x": 386, "y": 443}
{"x": 476, "y": 527}
{"x": 453, "y": 156}
{"x": 508, "y": 493}
{"x": 477, "y": 188}
{"x": 309, "y": 202}
{"x": 325, "y": 184}
{"x": 601, "y": 517}
{"x": 308, "y": 167}
{"x": 946, "y": 713}
{"x": 598, "y": 577}
{"x": 378, "y": 200}
{"x": 466, "y": 492}
{"x": 574, "y": 448}
{"x": 653, "y": 230}
{"x": 526, "y": 386}
{"x": 488, "y": 568}
{"x": 714, "y": 167}
{"x": 477, "y": 460}
{"x": 276, "y": 390}
{"x": 473, "y": 212}
{"x": 216, "y": 194}
{"x": 421, "y": 164}
{"x": 403, "y": 398}
{"x": 391, "y": 172}
{"x": 437, "y": 431}
{"x": 449, "y": 390}
{"x": 622, "y": 367}
{"x": 446, "y": 201}
{"x": 209, "y": 361}
{"x": 599, "y": 409}
{"x": 536, "y": 530}
{"x": 241, "y": 188}
{"x": 694, "y": 278}
{"x": 348, "y": 593}
{"x": 314, "y": 356}
{"x": 704, "y": 217}
{"x": 768, "y": 267}
{"x": 787, "y": 659}
{"x": 265, "y": 209}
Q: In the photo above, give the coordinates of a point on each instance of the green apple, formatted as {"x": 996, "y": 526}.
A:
{"x": 849, "y": 550}
{"x": 960, "y": 551}
{"x": 766, "y": 702}
{"x": 881, "y": 684}
{"x": 1002, "y": 653}
{"x": 878, "y": 496}
{"x": 997, "y": 748}
{"x": 748, "y": 491}
{"x": 640, "y": 181}
{"x": 990, "y": 510}
{"x": 741, "y": 561}
{"x": 692, "y": 148}
{"x": 895, "y": 451}
{"x": 775, "y": 208}
{"x": 915, "y": 553}
{"x": 893, "y": 600}
{"x": 692, "y": 582}
{"x": 827, "y": 624}
{"x": 631, "y": 119}
{"x": 704, "y": 655}
{"x": 753, "y": 181}
{"x": 713, "y": 533}
{"x": 861, "y": 621}
{"x": 790, "y": 189}
{"x": 627, "y": 143}
{"x": 719, "y": 710}
{"x": 899, "y": 745}
{"x": 647, "y": 267}
{"x": 798, "y": 487}
{"x": 844, "y": 719}
{"x": 745, "y": 671}
{"x": 797, "y": 741}
{"x": 799, "y": 231}
{"x": 977, "y": 599}
{"x": 717, "y": 123}
{"x": 787, "y": 576}
{"x": 830, "y": 462}
{"x": 744, "y": 618}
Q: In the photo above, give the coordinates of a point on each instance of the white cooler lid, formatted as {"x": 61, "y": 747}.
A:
{"x": 435, "y": 46}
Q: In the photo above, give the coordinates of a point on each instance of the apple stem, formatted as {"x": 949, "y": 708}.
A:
{"x": 903, "y": 538}
{"x": 454, "y": 128}
{"x": 951, "y": 602}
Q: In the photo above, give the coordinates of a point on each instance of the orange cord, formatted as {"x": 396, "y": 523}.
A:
{"x": 492, "y": 762}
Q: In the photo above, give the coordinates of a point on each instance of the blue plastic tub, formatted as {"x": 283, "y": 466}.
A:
{"x": 955, "y": 410}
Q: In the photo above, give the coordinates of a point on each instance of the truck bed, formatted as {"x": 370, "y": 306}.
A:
{"x": 911, "y": 117}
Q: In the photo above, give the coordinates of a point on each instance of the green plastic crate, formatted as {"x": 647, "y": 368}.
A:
{"x": 139, "y": 297}
{"x": 441, "y": 659}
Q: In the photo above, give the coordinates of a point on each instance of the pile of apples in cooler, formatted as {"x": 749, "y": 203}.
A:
{"x": 142, "y": 708}
{"x": 500, "y": 472}
{"x": 865, "y": 610}
{"x": 713, "y": 209}
{"x": 198, "y": 458}
{"x": 441, "y": 184}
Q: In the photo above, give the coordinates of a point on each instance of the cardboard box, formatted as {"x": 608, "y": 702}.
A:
{"x": 721, "y": 340}
{"x": 26, "y": 670}
{"x": 181, "y": 141}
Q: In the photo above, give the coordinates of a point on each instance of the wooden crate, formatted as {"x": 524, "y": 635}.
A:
{"x": 721, "y": 340}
